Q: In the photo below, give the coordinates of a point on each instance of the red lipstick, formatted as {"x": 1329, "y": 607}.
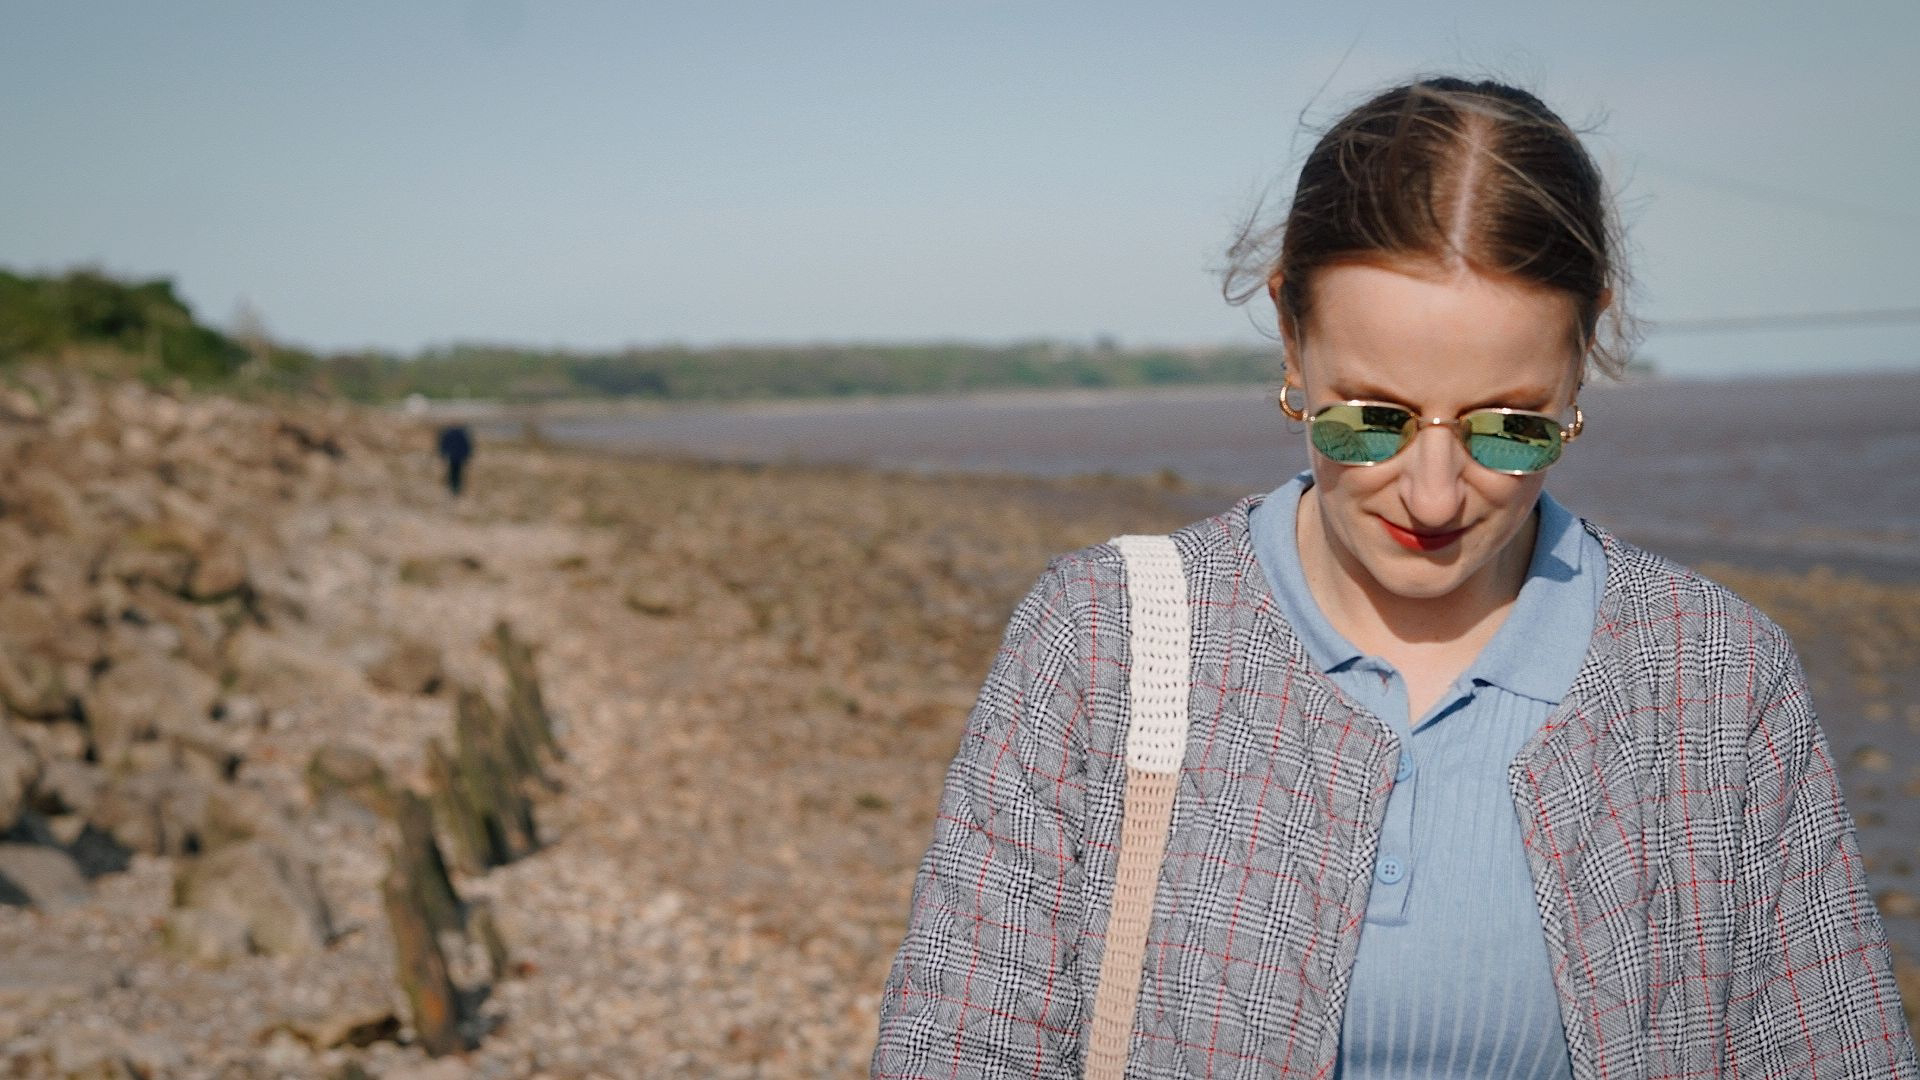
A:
{"x": 1416, "y": 541}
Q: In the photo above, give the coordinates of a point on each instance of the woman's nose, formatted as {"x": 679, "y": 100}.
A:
{"x": 1430, "y": 480}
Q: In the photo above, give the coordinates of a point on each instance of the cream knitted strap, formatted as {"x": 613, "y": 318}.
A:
{"x": 1157, "y": 688}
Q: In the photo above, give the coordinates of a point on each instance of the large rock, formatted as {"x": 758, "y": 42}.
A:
{"x": 32, "y": 682}
{"x": 280, "y": 666}
{"x": 142, "y": 694}
{"x": 198, "y": 631}
{"x": 358, "y": 1016}
{"x": 219, "y": 568}
{"x": 347, "y": 783}
{"x": 159, "y": 811}
{"x": 16, "y": 554}
{"x": 409, "y": 666}
{"x": 70, "y": 787}
{"x": 271, "y": 893}
{"x": 19, "y": 768}
{"x": 48, "y": 877}
{"x": 150, "y": 556}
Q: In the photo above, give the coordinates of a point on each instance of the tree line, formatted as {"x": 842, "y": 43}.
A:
{"x": 145, "y": 328}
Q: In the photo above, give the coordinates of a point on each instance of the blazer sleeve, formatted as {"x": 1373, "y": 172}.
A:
{"x": 984, "y": 984}
{"x": 1812, "y": 992}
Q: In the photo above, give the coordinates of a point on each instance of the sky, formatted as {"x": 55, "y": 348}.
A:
{"x": 594, "y": 175}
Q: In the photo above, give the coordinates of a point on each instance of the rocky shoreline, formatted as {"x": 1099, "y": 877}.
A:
{"x": 754, "y": 677}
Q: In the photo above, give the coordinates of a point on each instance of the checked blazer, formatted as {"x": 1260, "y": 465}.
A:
{"x": 1695, "y": 869}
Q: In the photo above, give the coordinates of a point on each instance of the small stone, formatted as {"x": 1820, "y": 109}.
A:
{"x": 409, "y": 667}
{"x": 1899, "y": 904}
{"x": 205, "y": 937}
{"x": 49, "y": 877}
{"x": 357, "y": 1019}
{"x": 440, "y": 1069}
{"x": 1872, "y": 759}
{"x": 219, "y": 569}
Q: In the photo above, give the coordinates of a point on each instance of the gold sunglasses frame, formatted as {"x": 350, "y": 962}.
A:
{"x": 1568, "y": 432}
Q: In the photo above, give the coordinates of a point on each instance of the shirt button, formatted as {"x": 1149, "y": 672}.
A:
{"x": 1389, "y": 870}
{"x": 1405, "y": 771}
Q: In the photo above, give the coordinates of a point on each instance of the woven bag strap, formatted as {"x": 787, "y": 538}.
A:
{"x": 1160, "y": 625}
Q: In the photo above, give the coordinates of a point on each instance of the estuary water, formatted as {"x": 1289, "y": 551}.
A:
{"x": 1784, "y": 473}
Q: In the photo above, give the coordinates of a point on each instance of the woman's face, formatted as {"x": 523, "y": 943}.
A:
{"x": 1429, "y": 521}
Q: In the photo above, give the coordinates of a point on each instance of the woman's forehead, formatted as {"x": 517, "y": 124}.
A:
{"x": 1465, "y": 333}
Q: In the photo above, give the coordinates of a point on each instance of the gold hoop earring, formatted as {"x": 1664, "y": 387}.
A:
{"x": 1579, "y": 422}
{"x": 1288, "y": 408}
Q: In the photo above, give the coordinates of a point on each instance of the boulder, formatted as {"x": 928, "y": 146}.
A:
{"x": 60, "y": 578}
{"x": 53, "y": 740}
{"x": 160, "y": 811}
{"x": 151, "y": 556}
{"x": 16, "y": 554}
{"x": 19, "y": 768}
{"x": 70, "y": 787}
{"x": 206, "y": 937}
{"x": 31, "y": 682}
{"x": 219, "y": 569}
{"x": 280, "y": 666}
{"x": 359, "y": 1016}
{"x": 143, "y": 693}
{"x": 49, "y": 503}
{"x": 236, "y": 814}
{"x": 198, "y": 631}
{"x": 272, "y": 893}
{"x": 48, "y": 877}
{"x": 87, "y": 1053}
{"x": 408, "y": 667}
{"x": 346, "y": 781}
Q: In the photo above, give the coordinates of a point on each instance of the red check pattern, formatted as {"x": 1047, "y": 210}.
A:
{"x": 1696, "y": 870}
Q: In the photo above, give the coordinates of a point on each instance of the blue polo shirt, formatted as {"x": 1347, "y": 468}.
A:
{"x": 1452, "y": 979}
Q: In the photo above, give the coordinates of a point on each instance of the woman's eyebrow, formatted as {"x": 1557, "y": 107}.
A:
{"x": 1529, "y": 398}
{"x": 1363, "y": 391}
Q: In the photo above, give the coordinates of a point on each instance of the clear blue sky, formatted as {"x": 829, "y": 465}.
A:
{"x": 596, "y": 174}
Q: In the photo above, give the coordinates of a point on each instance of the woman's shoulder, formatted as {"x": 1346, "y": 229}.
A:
{"x": 1208, "y": 548}
{"x": 1677, "y": 613}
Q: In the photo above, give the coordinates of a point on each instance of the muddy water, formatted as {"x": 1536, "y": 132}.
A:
{"x": 1767, "y": 473}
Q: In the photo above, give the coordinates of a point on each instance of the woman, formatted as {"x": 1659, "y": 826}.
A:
{"x": 1450, "y": 782}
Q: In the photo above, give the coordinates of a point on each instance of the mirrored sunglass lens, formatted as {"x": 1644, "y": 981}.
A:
{"x": 1359, "y": 434}
{"x": 1513, "y": 442}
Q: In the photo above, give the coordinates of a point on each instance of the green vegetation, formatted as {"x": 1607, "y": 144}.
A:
{"x": 84, "y": 314}
{"x": 143, "y": 327}
{"x": 741, "y": 372}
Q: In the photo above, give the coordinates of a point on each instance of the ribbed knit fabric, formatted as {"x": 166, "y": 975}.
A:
{"x": 1452, "y": 978}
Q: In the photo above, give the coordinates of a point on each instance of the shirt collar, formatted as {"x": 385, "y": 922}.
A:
{"x": 1555, "y": 601}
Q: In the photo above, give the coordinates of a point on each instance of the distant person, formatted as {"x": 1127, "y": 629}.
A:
{"x": 1402, "y": 769}
{"x": 456, "y": 446}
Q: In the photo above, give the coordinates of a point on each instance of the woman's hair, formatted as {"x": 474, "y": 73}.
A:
{"x": 1452, "y": 173}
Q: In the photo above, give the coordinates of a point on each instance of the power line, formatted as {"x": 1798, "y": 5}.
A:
{"x": 1789, "y": 321}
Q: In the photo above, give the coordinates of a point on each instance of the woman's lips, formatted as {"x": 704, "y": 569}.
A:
{"x": 1416, "y": 541}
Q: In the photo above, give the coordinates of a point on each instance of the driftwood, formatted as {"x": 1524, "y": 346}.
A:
{"x": 482, "y": 789}
{"x": 422, "y": 966}
{"x": 527, "y": 717}
{"x": 482, "y": 801}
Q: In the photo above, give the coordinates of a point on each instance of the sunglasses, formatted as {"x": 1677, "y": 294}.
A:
{"x": 1511, "y": 441}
